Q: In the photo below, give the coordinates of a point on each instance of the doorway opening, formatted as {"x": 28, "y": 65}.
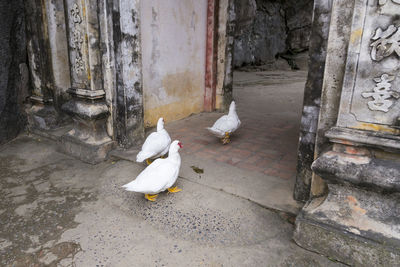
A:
{"x": 270, "y": 55}
{"x": 269, "y": 75}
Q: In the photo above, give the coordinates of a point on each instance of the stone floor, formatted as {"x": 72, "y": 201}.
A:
{"x": 57, "y": 211}
{"x": 269, "y": 106}
{"x": 260, "y": 162}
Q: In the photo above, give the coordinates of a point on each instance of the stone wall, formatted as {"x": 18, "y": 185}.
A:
{"x": 13, "y": 69}
{"x": 355, "y": 220}
{"x": 267, "y": 28}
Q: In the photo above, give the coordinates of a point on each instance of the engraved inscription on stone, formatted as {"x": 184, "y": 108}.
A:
{"x": 76, "y": 18}
{"x": 383, "y": 2}
{"x": 385, "y": 43}
{"x": 382, "y": 94}
{"x": 77, "y": 39}
{"x": 371, "y": 88}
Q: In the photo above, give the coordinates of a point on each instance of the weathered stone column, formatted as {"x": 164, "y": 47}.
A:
{"x": 225, "y": 39}
{"x": 358, "y": 221}
{"x": 41, "y": 113}
{"x": 312, "y": 97}
{"x": 129, "y": 115}
{"x": 58, "y": 45}
{"x": 88, "y": 140}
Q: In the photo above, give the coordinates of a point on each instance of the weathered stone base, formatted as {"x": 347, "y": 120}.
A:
{"x": 90, "y": 153}
{"x": 88, "y": 139}
{"x": 44, "y": 117}
{"x": 353, "y": 226}
{"x": 344, "y": 247}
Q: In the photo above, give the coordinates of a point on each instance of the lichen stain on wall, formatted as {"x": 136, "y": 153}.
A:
{"x": 376, "y": 128}
{"x": 181, "y": 95}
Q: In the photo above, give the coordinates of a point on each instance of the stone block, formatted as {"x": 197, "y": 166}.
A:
{"x": 44, "y": 117}
{"x": 90, "y": 153}
{"x": 353, "y": 226}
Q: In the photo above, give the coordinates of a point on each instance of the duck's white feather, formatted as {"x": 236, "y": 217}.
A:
{"x": 159, "y": 175}
{"x": 156, "y": 144}
{"x": 227, "y": 123}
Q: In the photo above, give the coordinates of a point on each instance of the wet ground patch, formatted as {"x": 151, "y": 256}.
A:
{"x": 34, "y": 211}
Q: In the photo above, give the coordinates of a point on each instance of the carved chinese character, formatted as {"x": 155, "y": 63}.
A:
{"x": 77, "y": 39}
{"x": 79, "y": 64}
{"x": 385, "y": 43}
{"x": 381, "y": 94}
{"x": 76, "y": 17}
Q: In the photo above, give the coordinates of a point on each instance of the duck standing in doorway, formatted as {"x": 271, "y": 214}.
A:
{"x": 226, "y": 125}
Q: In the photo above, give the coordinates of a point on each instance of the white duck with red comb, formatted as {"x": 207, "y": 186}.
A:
{"x": 158, "y": 176}
{"x": 226, "y": 125}
{"x": 156, "y": 144}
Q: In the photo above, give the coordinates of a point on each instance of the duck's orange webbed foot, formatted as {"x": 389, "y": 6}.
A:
{"x": 151, "y": 198}
{"x": 174, "y": 189}
{"x": 226, "y": 139}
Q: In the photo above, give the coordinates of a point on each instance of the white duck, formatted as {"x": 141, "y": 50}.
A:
{"x": 156, "y": 144}
{"x": 226, "y": 125}
{"x": 158, "y": 176}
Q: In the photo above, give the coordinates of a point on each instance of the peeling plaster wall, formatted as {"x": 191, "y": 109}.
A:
{"x": 14, "y": 75}
{"x": 173, "y": 56}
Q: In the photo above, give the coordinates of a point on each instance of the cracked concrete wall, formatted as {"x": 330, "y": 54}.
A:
{"x": 173, "y": 50}
{"x": 267, "y": 28}
{"x": 14, "y": 75}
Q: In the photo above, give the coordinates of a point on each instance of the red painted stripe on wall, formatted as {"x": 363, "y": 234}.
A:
{"x": 211, "y": 56}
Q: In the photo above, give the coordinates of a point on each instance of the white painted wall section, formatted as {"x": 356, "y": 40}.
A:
{"x": 173, "y": 57}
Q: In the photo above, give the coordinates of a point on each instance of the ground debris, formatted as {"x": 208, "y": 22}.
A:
{"x": 197, "y": 169}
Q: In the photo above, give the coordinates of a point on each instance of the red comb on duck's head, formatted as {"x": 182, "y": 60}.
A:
{"x": 180, "y": 145}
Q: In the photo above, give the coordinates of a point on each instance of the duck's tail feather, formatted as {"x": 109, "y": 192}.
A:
{"x": 215, "y": 132}
{"x": 130, "y": 186}
{"x": 142, "y": 156}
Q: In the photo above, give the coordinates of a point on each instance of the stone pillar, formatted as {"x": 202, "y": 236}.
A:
{"x": 41, "y": 112}
{"x": 88, "y": 140}
{"x": 358, "y": 221}
{"x": 129, "y": 115}
{"x": 312, "y": 98}
{"x": 58, "y": 45}
{"x": 211, "y": 55}
{"x": 225, "y": 39}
